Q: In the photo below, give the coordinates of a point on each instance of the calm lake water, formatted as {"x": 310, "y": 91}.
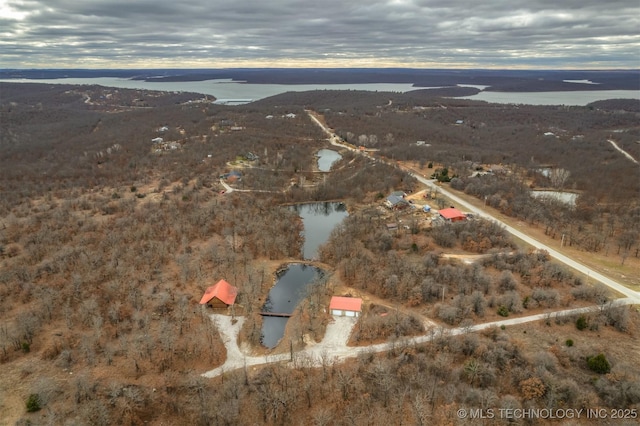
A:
{"x": 326, "y": 158}
{"x": 222, "y": 89}
{"x": 579, "y": 97}
{"x": 291, "y": 286}
{"x": 227, "y": 89}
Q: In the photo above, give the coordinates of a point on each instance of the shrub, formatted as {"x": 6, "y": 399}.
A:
{"x": 532, "y": 388}
{"x": 511, "y": 300}
{"x": 547, "y": 298}
{"x": 582, "y": 323}
{"x": 503, "y": 311}
{"x": 569, "y": 342}
{"x": 506, "y": 282}
{"x": 33, "y": 403}
{"x": 618, "y": 317}
{"x": 599, "y": 364}
{"x": 448, "y": 314}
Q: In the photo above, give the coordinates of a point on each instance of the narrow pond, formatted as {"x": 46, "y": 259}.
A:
{"x": 292, "y": 283}
{"x": 290, "y": 289}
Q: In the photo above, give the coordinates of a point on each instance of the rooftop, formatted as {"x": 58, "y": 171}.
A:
{"x": 346, "y": 303}
{"x": 452, "y": 213}
{"x": 222, "y": 290}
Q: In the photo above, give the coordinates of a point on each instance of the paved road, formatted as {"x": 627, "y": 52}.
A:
{"x": 590, "y": 273}
{"x": 535, "y": 243}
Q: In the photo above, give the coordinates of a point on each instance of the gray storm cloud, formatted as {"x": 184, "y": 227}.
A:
{"x": 515, "y": 33}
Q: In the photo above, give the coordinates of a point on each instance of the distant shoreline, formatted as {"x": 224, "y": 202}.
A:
{"x": 490, "y": 80}
{"x": 228, "y": 89}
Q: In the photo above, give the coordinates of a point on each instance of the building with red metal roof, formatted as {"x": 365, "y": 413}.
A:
{"x": 345, "y": 306}
{"x": 452, "y": 215}
{"x": 220, "y": 295}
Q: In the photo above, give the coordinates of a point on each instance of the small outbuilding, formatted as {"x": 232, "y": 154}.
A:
{"x": 220, "y": 295}
{"x": 452, "y": 215}
{"x": 345, "y": 306}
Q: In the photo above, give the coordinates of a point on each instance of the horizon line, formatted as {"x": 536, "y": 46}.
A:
{"x": 320, "y": 68}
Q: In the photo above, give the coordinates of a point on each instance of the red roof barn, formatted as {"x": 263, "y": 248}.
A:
{"x": 220, "y": 295}
{"x": 345, "y": 306}
{"x": 452, "y": 215}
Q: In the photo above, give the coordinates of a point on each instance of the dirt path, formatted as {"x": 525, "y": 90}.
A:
{"x": 333, "y": 348}
{"x": 625, "y": 153}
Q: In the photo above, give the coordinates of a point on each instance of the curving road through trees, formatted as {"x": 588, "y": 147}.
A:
{"x": 614, "y": 285}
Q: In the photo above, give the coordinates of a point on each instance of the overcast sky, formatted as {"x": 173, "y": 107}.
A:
{"x": 320, "y": 33}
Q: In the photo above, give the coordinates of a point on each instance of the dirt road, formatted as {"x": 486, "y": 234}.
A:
{"x": 333, "y": 348}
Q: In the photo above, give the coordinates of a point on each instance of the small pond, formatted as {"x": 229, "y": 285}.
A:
{"x": 326, "y": 158}
{"x": 319, "y": 219}
{"x": 292, "y": 283}
{"x": 290, "y": 289}
{"x": 565, "y": 197}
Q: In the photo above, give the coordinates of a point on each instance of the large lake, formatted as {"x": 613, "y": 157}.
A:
{"x": 222, "y": 89}
{"x": 227, "y": 89}
{"x": 579, "y": 97}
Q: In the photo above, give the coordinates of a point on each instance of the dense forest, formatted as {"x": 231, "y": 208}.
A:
{"x": 109, "y": 238}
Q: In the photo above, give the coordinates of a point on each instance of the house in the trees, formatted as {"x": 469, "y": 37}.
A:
{"x": 345, "y": 306}
{"x": 232, "y": 177}
{"x": 220, "y": 295}
{"x": 452, "y": 215}
{"x": 396, "y": 202}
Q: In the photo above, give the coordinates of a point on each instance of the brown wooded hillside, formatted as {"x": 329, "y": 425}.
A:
{"x": 109, "y": 237}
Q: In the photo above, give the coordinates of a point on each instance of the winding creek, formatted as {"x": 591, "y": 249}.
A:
{"x": 292, "y": 283}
